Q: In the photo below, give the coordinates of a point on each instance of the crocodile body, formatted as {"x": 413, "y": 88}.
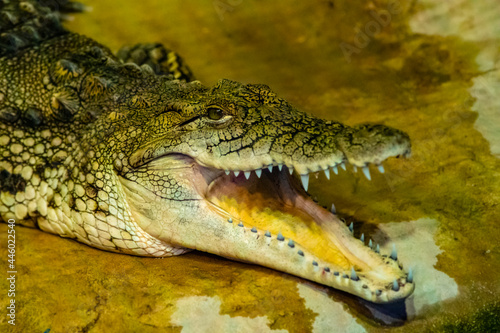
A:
{"x": 130, "y": 154}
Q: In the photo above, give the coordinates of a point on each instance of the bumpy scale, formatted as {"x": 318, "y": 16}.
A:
{"x": 129, "y": 154}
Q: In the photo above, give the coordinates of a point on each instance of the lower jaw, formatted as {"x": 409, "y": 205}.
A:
{"x": 283, "y": 217}
{"x": 244, "y": 243}
{"x": 232, "y": 215}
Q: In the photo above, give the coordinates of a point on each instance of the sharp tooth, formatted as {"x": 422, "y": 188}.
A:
{"x": 370, "y": 243}
{"x": 327, "y": 269}
{"x": 258, "y": 172}
{"x": 381, "y": 168}
{"x": 305, "y": 181}
{"x": 353, "y": 275}
{"x": 290, "y": 169}
{"x": 227, "y": 172}
{"x": 291, "y": 243}
{"x": 355, "y": 168}
{"x": 301, "y": 253}
{"x": 395, "y": 285}
{"x": 236, "y": 173}
{"x": 335, "y": 170}
{"x": 366, "y": 171}
{"x": 280, "y": 166}
{"x": 247, "y": 174}
{"x": 362, "y": 238}
{"x": 342, "y": 165}
{"x": 270, "y": 168}
{"x": 315, "y": 263}
{"x": 410, "y": 276}
{"x": 327, "y": 173}
{"x": 377, "y": 249}
{"x": 254, "y": 229}
{"x": 230, "y": 220}
{"x": 333, "y": 210}
{"x": 268, "y": 234}
{"x": 351, "y": 227}
{"x": 240, "y": 224}
{"x": 280, "y": 237}
{"x": 394, "y": 254}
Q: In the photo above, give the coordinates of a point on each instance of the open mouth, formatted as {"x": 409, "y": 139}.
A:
{"x": 244, "y": 202}
{"x": 274, "y": 204}
{"x": 265, "y": 217}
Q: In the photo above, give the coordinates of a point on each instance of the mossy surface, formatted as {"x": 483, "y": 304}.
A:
{"x": 418, "y": 83}
{"x": 486, "y": 319}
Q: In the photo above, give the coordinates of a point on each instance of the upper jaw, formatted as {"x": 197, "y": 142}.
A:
{"x": 360, "y": 146}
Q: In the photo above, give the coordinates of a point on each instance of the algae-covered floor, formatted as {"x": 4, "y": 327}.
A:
{"x": 430, "y": 69}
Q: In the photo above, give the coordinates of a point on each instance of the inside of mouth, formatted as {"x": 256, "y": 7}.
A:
{"x": 276, "y": 207}
{"x": 275, "y": 203}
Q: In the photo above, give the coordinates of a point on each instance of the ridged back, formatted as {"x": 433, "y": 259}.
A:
{"x": 27, "y": 23}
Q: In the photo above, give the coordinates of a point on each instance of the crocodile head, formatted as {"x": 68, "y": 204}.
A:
{"x": 125, "y": 160}
{"x": 212, "y": 170}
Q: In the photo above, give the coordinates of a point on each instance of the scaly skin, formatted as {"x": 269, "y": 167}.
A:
{"x": 146, "y": 161}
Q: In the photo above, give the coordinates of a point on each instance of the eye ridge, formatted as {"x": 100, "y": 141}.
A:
{"x": 215, "y": 113}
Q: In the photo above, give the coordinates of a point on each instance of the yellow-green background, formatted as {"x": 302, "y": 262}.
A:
{"x": 415, "y": 82}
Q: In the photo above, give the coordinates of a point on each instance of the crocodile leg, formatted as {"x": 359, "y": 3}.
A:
{"x": 161, "y": 60}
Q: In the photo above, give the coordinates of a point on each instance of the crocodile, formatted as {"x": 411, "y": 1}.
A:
{"x": 129, "y": 153}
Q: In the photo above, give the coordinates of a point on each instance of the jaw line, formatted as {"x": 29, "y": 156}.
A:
{"x": 240, "y": 233}
{"x": 288, "y": 194}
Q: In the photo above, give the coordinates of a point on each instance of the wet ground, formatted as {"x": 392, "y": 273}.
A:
{"x": 430, "y": 70}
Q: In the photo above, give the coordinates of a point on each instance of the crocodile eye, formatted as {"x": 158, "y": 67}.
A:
{"x": 215, "y": 113}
